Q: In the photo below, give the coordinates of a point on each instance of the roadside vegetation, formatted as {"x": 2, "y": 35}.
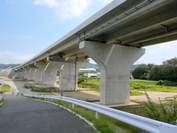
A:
{"x": 103, "y": 124}
{"x": 5, "y": 88}
{"x": 39, "y": 89}
{"x": 1, "y": 101}
{"x": 165, "y": 112}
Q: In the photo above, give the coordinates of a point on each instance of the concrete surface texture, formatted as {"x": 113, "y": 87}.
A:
{"x": 68, "y": 74}
{"x": 31, "y": 73}
{"x": 48, "y": 72}
{"x": 26, "y": 69}
{"x": 38, "y": 74}
{"x": 22, "y": 115}
{"x": 115, "y": 62}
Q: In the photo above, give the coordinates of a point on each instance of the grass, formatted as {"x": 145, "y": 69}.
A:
{"x": 5, "y": 88}
{"x": 93, "y": 84}
{"x": 1, "y": 101}
{"x": 140, "y": 85}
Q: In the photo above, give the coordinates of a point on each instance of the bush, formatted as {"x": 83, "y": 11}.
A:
{"x": 136, "y": 87}
{"x": 166, "y": 83}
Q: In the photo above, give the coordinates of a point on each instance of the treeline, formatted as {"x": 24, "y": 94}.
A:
{"x": 166, "y": 71}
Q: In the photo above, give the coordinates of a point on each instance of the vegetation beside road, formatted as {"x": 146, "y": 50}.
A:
{"x": 1, "y": 101}
{"x": 5, "y": 88}
{"x": 103, "y": 124}
{"x": 165, "y": 112}
{"x": 39, "y": 89}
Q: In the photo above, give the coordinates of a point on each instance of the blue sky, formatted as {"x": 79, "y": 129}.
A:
{"x": 29, "y": 26}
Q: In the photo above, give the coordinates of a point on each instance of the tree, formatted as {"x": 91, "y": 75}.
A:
{"x": 157, "y": 73}
{"x": 140, "y": 71}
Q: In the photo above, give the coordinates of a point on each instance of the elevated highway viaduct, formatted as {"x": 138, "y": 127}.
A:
{"x": 113, "y": 37}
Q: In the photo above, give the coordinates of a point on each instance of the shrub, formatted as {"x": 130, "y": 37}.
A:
{"x": 136, "y": 87}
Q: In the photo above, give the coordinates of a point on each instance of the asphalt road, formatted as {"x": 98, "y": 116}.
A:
{"x": 22, "y": 115}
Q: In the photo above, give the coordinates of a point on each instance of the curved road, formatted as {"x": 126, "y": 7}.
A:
{"x": 22, "y": 115}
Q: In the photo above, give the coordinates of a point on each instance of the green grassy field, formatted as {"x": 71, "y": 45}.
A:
{"x": 139, "y": 85}
{"x": 147, "y": 85}
{"x": 5, "y": 88}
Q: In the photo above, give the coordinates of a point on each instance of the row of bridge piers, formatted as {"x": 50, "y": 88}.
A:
{"x": 114, "y": 61}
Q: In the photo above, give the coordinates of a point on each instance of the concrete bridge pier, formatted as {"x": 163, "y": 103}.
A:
{"x": 26, "y": 72}
{"x": 22, "y": 73}
{"x": 48, "y": 73}
{"x": 115, "y": 62}
{"x": 38, "y": 75}
{"x": 32, "y": 70}
{"x": 68, "y": 73}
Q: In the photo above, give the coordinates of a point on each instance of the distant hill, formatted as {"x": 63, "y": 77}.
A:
{"x": 8, "y": 66}
{"x": 90, "y": 65}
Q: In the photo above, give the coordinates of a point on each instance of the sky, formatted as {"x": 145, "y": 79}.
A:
{"x": 29, "y": 26}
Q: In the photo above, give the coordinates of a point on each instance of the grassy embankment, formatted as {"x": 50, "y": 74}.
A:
{"x": 103, "y": 124}
{"x": 1, "y": 101}
{"x": 5, "y": 88}
{"x": 39, "y": 89}
{"x": 147, "y": 85}
{"x": 165, "y": 112}
{"x": 135, "y": 86}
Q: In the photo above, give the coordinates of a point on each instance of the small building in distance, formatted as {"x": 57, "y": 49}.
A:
{"x": 87, "y": 70}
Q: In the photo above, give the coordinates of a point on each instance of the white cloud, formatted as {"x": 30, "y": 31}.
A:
{"x": 66, "y": 9}
{"x": 11, "y": 55}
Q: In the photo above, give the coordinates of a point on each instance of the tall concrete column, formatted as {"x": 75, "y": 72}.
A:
{"x": 26, "y": 72}
{"x": 49, "y": 72}
{"x": 115, "y": 62}
{"x": 38, "y": 75}
{"x": 32, "y": 70}
{"x": 68, "y": 73}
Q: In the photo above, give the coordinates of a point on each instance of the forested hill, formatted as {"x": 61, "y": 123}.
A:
{"x": 8, "y": 66}
{"x": 90, "y": 65}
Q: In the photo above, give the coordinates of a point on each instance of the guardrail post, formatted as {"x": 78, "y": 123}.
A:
{"x": 96, "y": 115}
{"x": 73, "y": 105}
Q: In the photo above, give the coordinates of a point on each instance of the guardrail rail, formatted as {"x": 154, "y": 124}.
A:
{"x": 146, "y": 124}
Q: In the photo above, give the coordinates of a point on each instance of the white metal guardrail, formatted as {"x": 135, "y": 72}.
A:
{"x": 135, "y": 120}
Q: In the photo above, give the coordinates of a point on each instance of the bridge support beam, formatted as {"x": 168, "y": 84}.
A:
{"x": 48, "y": 72}
{"x": 115, "y": 62}
{"x": 68, "y": 73}
{"x": 26, "y": 75}
{"x": 38, "y": 75}
{"x": 31, "y": 73}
